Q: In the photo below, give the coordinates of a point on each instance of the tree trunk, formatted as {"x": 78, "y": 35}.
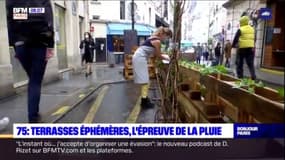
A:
{"x": 169, "y": 81}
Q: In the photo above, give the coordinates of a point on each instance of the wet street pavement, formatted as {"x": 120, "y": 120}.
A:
{"x": 103, "y": 97}
{"x": 112, "y": 103}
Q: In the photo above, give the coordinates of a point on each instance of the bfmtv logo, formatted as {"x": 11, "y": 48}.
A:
{"x": 20, "y": 13}
{"x": 20, "y": 10}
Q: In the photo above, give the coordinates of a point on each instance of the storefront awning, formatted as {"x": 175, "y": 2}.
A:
{"x": 186, "y": 43}
{"x": 118, "y": 29}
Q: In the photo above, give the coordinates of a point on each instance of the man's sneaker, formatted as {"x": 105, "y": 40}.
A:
{"x": 145, "y": 103}
{"x": 4, "y": 123}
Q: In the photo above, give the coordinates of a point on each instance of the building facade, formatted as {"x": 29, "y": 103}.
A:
{"x": 217, "y": 17}
{"x": 269, "y": 38}
{"x": 70, "y": 22}
{"x": 235, "y": 9}
{"x": 107, "y": 28}
{"x": 199, "y": 22}
{"x": 163, "y": 11}
{"x": 187, "y": 20}
{"x": 120, "y": 10}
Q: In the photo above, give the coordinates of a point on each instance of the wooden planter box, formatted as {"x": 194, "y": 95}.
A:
{"x": 193, "y": 109}
{"x": 257, "y": 105}
{"x": 190, "y": 75}
{"x": 197, "y": 111}
{"x": 269, "y": 94}
{"x": 263, "y": 106}
{"x": 224, "y": 77}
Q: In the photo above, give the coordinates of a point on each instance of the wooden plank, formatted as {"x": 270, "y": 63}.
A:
{"x": 263, "y": 110}
{"x": 187, "y": 107}
{"x": 244, "y": 117}
{"x": 210, "y": 83}
{"x": 268, "y": 93}
{"x": 228, "y": 109}
{"x": 193, "y": 76}
{"x": 209, "y": 112}
{"x": 203, "y": 112}
{"x": 223, "y": 77}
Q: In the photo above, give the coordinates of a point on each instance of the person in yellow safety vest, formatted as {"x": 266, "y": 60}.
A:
{"x": 244, "y": 41}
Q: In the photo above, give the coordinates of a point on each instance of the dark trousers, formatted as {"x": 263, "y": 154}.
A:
{"x": 34, "y": 63}
{"x": 247, "y": 54}
{"x": 227, "y": 63}
{"x": 206, "y": 57}
{"x": 218, "y": 58}
{"x": 198, "y": 59}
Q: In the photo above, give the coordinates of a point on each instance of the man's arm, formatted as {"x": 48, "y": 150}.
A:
{"x": 236, "y": 38}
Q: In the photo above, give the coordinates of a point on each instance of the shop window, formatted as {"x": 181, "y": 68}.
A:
{"x": 118, "y": 44}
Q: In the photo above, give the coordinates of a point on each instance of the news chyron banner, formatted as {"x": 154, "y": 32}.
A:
{"x": 147, "y": 131}
{"x": 144, "y": 141}
{"x": 123, "y": 131}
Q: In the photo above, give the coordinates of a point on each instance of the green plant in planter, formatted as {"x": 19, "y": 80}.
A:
{"x": 183, "y": 62}
{"x": 188, "y": 64}
{"x": 281, "y": 92}
{"x": 248, "y": 84}
{"x": 213, "y": 69}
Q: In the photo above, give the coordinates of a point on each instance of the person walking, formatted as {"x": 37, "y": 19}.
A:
{"x": 31, "y": 33}
{"x": 244, "y": 37}
{"x": 87, "y": 46}
{"x": 227, "y": 49}
{"x": 198, "y": 52}
{"x": 151, "y": 46}
{"x": 217, "y": 53}
{"x": 205, "y": 53}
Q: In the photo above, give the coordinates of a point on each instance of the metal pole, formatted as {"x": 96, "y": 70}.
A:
{"x": 133, "y": 18}
{"x": 209, "y": 25}
{"x": 208, "y": 48}
{"x": 223, "y": 46}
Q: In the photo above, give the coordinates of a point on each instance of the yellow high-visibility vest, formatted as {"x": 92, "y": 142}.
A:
{"x": 246, "y": 39}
